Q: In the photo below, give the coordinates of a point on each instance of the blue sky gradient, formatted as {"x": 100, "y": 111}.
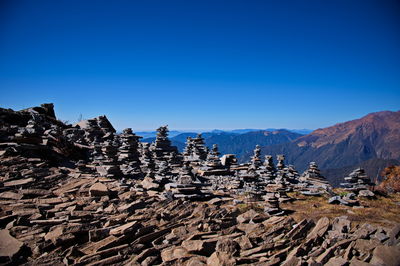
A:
{"x": 202, "y": 64}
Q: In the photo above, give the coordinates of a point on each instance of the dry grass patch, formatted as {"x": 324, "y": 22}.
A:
{"x": 381, "y": 211}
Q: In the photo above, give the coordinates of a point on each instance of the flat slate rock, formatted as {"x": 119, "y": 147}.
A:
{"x": 10, "y": 247}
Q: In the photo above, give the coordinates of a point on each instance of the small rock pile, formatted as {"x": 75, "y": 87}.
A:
{"x": 359, "y": 183}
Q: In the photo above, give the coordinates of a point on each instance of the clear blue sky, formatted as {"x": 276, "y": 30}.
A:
{"x": 202, "y": 64}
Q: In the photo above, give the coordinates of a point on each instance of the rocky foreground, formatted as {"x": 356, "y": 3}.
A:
{"x": 64, "y": 200}
{"x": 53, "y": 217}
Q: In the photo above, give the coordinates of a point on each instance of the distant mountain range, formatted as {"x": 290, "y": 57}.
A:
{"x": 237, "y": 143}
{"x": 173, "y": 133}
{"x": 372, "y": 142}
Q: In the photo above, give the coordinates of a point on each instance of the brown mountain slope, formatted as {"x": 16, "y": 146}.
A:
{"x": 376, "y": 135}
{"x": 381, "y": 130}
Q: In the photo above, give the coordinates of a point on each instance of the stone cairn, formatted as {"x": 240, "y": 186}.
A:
{"x": 358, "y": 182}
{"x": 282, "y": 176}
{"x": 312, "y": 183}
{"x": 128, "y": 156}
{"x": 213, "y": 160}
{"x": 313, "y": 176}
{"x": 187, "y": 152}
{"x": 272, "y": 207}
{"x": 146, "y": 158}
{"x": 256, "y": 161}
{"x": 108, "y": 163}
{"x": 214, "y": 172}
{"x": 292, "y": 174}
{"x": 195, "y": 149}
{"x": 155, "y": 181}
{"x": 162, "y": 145}
{"x": 186, "y": 186}
{"x": 76, "y": 135}
{"x": 269, "y": 173}
{"x": 253, "y": 184}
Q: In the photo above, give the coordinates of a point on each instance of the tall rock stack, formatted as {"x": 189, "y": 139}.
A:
{"x": 200, "y": 150}
{"x": 256, "y": 161}
{"x": 187, "y": 152}
{"x": 357, "y": 181}
{"x": 146, "y": 158}
{"x": 282, "y": 174}
{"x": 108, "y": 164}
{"x": 213, "y": 168}
{"x": 162, "y": 145}
{"x": 195, "y": 150}
{"x": 128, "y": 153}
{"x": 213, "y": 161}
{"x": 253, "y": 183}
{"x": 269, "y": 172}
